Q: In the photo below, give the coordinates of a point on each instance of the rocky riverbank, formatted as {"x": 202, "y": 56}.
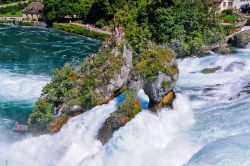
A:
{"x": 241, "y": 39}
{"x": 100, "y": 78}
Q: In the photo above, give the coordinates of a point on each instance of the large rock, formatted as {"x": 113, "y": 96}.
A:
{"x": 241, "y": 39}
{"x": 99, "y": 79}
{"x": 220, "y": 48}
{"x": 210, "y": 70}
{"x": 157, "y": 89}
{"x": 125, "y": 112}
{"x": 76, "y": 91}
{"x": 120, "y": 78}
{"x": 167, "y": 100}
{"x": 234, "y": 65}
{"x": 156, "y": 72}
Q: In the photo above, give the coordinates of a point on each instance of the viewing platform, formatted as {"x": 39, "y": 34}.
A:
{"x": 21, "y": 129}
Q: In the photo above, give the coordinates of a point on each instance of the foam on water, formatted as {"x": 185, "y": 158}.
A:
{"x": 19, "y": 87}
{"x": 209, "y": 124}
{"x": 75, "y": 141}
{"x": 222, "y": 116}
{"x": 150, "y": 139}
{"x": 222, "y": 85}
{"x": 231, "y": 151}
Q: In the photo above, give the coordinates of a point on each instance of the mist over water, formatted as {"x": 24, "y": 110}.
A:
{"x": 209, "y": 124}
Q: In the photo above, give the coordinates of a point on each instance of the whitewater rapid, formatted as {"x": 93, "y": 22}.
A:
{"x": 209, "y": 125}
{"x": 28, "y": 57}
{"x": 20, "y": 87}
{"x": 148, "y": 139}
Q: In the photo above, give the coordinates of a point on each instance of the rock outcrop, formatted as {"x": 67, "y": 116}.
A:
{"x": 234, "y": 65}
{"x": 220, "y": 48}
{"x": 241, "y": 39}
{"x": 210, "y": 70}
{"x": 156, "y": 73}
{"x": 125, "y": 112}
{"x": 99, "y": 79}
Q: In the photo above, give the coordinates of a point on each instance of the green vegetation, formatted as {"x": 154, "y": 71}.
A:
{"x": 82, "y": 87}
{"x": 231, "y": 18}
{"x": 80, "y": 30}
{"x": 227, "y": 11}
{"x": 228, "y": 16}
{"x": 248, "y": 22}
{"x": 210, "y": 70}
{"x": 182, "y": 25}
{"x": 9, "y": 14}
{"x": 15, "y": 10}
{"x": 152, "y": 61}
{"x": 126, "y": 111}
{"x": 9, "y": 1}
{"x": 128, "y": 108}
{"x": 100, "y": 23}
{"x": 6, "y": 21}
{"x": 25, "y": 23}
{"x": 228, "y": 29}
{"x": 41, "y": 116}
{"x": 166, "y": 84}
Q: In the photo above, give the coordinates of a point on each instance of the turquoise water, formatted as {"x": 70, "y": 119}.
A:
{"x": 221, "y": 109}
{"x": 209, "y": 124}
{"x": 28, "y": 57}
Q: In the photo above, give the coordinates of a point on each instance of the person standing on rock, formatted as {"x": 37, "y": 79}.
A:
{"x": 17, "y": 126}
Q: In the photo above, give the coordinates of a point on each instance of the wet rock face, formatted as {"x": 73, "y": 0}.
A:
{"x": 70, "y": 110}
{"x": 99, "y": 79}
{"x": 125, "y": 112}
{"x": 241, "y": 39}
{"x": 234, "y": 65}
{"x": 220, "y": 48}
{"x": 120, "y": 78}
{"x": 210, "y": 70}
{"x": 156, "y": 73}
{"x": 156, "y": 90}
{"x": 57, "y": 125}
{"x": 76, "y": 91}
{"x": 166, "y": 101}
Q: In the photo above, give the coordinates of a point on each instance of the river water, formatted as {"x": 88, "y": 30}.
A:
{"x": 28, "y": 57}
{"x": 208, "y": 126}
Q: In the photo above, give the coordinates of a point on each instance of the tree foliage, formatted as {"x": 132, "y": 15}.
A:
{"x": 182, "y": 25}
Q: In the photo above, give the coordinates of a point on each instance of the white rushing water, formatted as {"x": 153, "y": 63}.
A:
{"x": 76, "y": 143}
{"x": 16, "y": 87}
{"x": 208, "y": 126}
{"x": 221, "y": 107}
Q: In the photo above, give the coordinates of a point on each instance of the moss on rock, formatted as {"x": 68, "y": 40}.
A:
{"x": 57, "y": 125}
{"x": 152, "y": 61}
{"x": 99, "y": 79}
{"x": 87, "y": 86}
{"x": 210, "y": 70}
{"x": 128, "y": 109}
